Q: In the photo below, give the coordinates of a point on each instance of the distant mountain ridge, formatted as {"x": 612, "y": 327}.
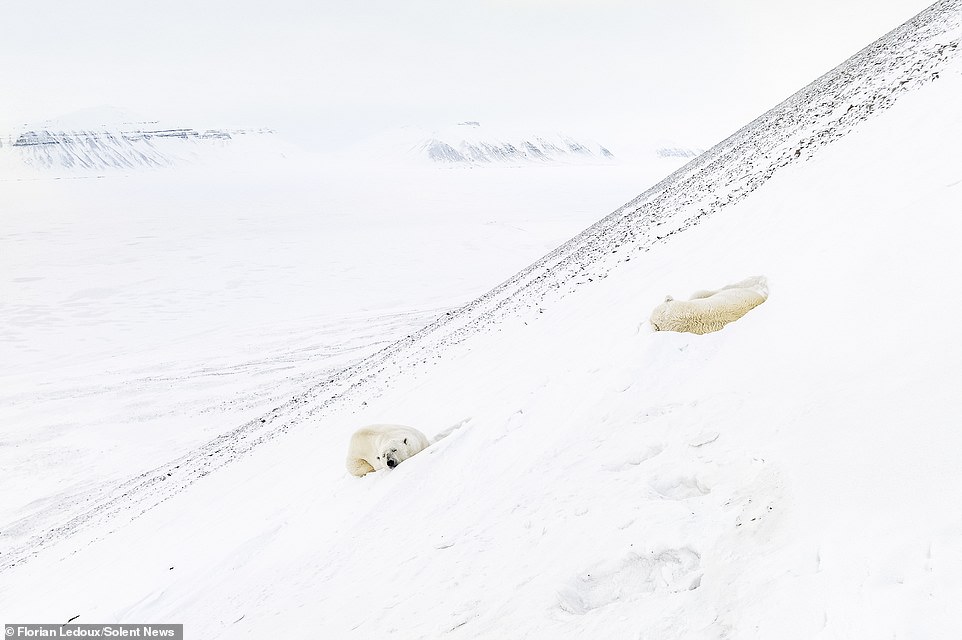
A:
{"x": 470, "y": 143}
{"x": 678, "y": 152}
{"x": 41, "y": 137}
{"x": 534, "y": 148}
{"x": 99, "y": 140}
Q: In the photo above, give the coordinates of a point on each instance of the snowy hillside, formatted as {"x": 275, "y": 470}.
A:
{"x": 110, "y": 139}
{"x": 144, "y": 316}
{"x": 472, "y": 143}
{"x": 794, "y": 475}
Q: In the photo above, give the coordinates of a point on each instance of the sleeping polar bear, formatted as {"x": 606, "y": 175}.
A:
{"x": 381, "y": 446}
{"x": 708, "y": 311}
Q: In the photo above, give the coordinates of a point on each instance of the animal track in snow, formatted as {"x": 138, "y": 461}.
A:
{"x": 704, "y": 438}
{"x": 679, "y": 487}
{"x": 669, "y": 571}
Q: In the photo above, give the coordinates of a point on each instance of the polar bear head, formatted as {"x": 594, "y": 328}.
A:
{"x": 395, "y": 451}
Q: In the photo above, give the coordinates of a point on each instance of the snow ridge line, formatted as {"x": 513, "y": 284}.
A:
{"x": 826, "y": 110}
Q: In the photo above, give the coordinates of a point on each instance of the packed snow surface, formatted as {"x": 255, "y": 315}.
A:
{"x": 793, "y": 475}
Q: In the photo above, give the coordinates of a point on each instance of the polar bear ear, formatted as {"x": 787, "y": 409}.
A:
{"x": 405, "y": 441}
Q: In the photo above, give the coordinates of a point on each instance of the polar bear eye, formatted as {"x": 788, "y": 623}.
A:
{"x": 405, "y": 441}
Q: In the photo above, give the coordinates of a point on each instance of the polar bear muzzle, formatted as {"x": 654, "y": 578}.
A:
{"x": 390, "y": 458}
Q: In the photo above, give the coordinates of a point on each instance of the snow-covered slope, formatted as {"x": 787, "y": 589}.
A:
{"x": 792, "y": 476}
{"x": 143, "y": 316}
{"x": 111, "y": 139}
{"x": 471, "y": 143}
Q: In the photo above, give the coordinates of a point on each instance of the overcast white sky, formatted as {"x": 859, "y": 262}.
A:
{"x": 687, "y": 70}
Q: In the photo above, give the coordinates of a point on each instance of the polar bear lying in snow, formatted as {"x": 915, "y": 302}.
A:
{"x": 381, "y": 446}
{"x": 708, "y": 311}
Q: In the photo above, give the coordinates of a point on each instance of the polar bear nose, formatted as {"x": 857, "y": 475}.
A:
{"x": 392, "y": 463}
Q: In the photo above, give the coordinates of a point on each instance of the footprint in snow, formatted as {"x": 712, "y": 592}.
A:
{"x": 679, "y": 487}
{"x": 633, "y": 576}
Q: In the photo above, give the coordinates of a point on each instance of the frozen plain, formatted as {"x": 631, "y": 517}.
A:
{"x": 792, "y": 476}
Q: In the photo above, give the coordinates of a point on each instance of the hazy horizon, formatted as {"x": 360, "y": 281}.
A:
{"x": 329, "y": 74}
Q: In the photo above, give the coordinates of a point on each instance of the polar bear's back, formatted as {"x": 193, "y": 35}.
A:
{"x": 709, "y": 311}
{"x": 384, "y": 432}
{"x": 758, "y": 284}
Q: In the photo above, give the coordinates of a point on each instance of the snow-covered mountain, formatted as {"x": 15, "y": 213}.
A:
{"x": 110, "y": 139}
{"x": 792, "y": 476}
{"x": 471, "y": 143}
{"x": 678, "y": 152}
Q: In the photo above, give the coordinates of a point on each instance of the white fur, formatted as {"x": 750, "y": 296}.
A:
{"x": 373, "y": 446}
{"x": 709, "y": 311}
